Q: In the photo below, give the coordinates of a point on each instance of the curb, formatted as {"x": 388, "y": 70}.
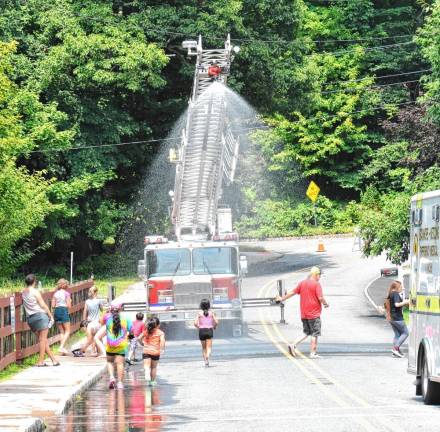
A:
{"x": 37, "y": 426}
{"x": 367, "y": 295}
{"x": 306, "y": 237}
{"x": 65, "y": 403}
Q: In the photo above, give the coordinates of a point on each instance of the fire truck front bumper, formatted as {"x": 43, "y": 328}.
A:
{"x": 190, "y": 315}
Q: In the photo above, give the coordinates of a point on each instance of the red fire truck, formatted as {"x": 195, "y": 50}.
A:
{"x": 204, "y": 261}
{"x": 178, "y": 275}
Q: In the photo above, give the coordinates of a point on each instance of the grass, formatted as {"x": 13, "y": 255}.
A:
{"x": 9, "y": 286}
{"x": 15, "y": 368}
{"x": 120, "y": 284}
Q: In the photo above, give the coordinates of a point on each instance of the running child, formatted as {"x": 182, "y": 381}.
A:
{"x": 153, "y": 339}
{"x": 117, "y": 329}
{"x": 206, "y": 322}
{"x": 136, "y": 329}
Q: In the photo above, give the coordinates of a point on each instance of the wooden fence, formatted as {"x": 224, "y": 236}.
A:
{"x": 16, "y": 339}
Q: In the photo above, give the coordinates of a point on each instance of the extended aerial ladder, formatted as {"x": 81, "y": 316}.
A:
{"x": 208, "y": 152}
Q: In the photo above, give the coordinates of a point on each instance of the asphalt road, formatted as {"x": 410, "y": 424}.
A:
{"x": 253, "y": 385}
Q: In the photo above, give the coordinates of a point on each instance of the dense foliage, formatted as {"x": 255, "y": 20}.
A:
{"x": 350, "y": 90}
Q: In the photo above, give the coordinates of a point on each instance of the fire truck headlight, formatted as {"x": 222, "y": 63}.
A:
{"x": 221, "y": 294}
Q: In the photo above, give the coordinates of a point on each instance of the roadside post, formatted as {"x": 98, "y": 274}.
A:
{"x": 71, "y": 268}
{"x": 282, "y": 305}
{"x": 312, "y": 193}
{"x": 12, "y": 313}
{"x": 111, "y": 294}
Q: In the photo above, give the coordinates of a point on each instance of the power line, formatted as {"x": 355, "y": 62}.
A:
{"x": 104, "y": 145}
{"x": 366, "y": 110}
{"x": 373, "y": 48}
{"x": 378, "y": 77}
{"x": 262, "y": 127}
{"x": 369, "y": 87}
{"x": 274, "y": 41}
{"x": 282, "y": 41}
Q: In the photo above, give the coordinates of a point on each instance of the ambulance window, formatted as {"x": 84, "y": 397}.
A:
{"x": 417, "y": 216}
{"x": 436, "y": 213}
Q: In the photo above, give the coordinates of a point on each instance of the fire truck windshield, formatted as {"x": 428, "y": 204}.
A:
{"x": 169, "y": 262}
{"x": 222, "y": 260}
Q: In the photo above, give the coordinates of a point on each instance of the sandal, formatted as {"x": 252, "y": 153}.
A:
{"x": 42, "y": 365}
{"x": 56, "y": 364}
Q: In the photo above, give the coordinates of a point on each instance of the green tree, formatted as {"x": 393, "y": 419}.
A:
{"x": 25, "y": 124}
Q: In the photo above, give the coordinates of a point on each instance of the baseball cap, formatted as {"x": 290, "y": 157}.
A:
{"x": 315, "y": 271}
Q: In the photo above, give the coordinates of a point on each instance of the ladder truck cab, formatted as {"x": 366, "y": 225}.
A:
{"x": 424, "y": 295}
{"x": 179, "y": 274}
{"x": 203, "y": 261}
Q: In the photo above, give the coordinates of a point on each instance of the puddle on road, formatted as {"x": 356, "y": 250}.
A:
{"x": 134, "y": 409}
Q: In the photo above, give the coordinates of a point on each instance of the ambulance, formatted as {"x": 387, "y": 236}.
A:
{"x": 424, "y": 295}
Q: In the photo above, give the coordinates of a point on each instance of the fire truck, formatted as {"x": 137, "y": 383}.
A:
{"x": 203, "y": 260}
{"x": 424, "y": 295}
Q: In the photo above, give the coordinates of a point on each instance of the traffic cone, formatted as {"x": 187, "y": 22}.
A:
{"x": 321, "y": 247}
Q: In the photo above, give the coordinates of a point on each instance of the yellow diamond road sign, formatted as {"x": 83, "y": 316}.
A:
{"x": 313, "y": 191}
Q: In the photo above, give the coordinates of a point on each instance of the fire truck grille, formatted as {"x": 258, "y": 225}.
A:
{"x": 189, "y": 295}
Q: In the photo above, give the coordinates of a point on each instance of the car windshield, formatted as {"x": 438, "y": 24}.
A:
{"x": 217, "y": 260}
{"x": 169, "y": 262}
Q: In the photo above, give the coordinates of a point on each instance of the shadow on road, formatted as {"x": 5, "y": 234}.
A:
{"x": 289, "y": 262}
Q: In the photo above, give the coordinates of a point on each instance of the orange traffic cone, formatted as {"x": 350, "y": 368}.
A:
{"x": 321, "y": 247}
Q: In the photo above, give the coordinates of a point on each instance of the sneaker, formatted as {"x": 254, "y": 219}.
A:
{"x": 112, "y": 383}
{"x": 314, "y": 355}
{"x": 397, "y": 353}
{"x": 120, "y": 386}
{"x": 292, "y": 350}
{"x": 77, "y": 352}
{"x": 153, "y": 383}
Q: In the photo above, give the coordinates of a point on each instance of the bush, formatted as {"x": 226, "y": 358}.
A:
{"x": 270, "y": 218}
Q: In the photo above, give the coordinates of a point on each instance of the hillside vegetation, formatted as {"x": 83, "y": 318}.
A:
{"x": 90, "y": 89}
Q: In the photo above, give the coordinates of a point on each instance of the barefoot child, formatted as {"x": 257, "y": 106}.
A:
{"x": 153, "y": 339}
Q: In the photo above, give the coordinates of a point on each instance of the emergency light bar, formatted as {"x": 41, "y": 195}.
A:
{"x": 225, "y": 237}
{"x": 155, "y": 240}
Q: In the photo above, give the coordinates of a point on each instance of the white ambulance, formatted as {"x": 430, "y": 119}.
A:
{"x": 424, "y": 295}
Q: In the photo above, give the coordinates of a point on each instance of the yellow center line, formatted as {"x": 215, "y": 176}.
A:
{"x": 319, "y": 370}
{"x": 331, "y": 395}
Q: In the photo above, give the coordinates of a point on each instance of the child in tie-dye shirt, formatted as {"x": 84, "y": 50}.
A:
{"x": 117, "y": 330}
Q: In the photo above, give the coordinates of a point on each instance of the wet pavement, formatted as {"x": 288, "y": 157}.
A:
{"x": 253, "y": 385}
{"x": 138, "y": 407}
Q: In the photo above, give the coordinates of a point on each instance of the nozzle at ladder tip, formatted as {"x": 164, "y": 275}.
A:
{"x": 321, "y": 247}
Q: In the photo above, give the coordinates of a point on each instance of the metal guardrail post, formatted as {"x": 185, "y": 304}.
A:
{"x": 111, "y": 292}
{"x": 280, "y": 293}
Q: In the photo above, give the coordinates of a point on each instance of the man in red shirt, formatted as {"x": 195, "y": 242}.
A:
{"x": 311, "y": 301}
{"x": 214, "y": 71}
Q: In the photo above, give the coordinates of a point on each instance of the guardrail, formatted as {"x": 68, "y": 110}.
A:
{"x": 17, "y": 340}
{"x": 248, "y": 302}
